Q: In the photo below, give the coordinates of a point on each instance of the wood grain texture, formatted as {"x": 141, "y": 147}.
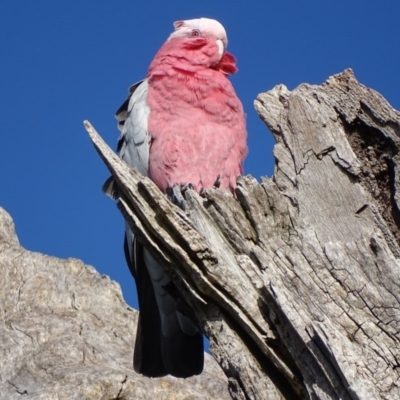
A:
{"x": 296, "y": 280}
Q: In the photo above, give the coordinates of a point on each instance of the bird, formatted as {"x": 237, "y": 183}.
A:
{"x": 183, "y": 124}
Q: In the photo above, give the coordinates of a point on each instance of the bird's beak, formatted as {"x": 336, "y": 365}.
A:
{"x": 221, "y": 48}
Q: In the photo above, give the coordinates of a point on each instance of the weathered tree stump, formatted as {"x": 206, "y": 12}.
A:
{"x": 296, "y": 281}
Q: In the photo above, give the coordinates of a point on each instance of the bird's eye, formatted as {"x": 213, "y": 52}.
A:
{"x": 194, "y": 33}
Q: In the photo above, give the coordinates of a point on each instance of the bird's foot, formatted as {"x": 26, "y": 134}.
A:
{"x": 177, "y": 193}
{"x": 216, "y": 185}
{"x": 186, "y": 186}
{"x": 217, "y": 182}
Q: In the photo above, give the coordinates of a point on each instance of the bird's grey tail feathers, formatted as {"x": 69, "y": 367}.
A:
{"x": 167, "y": 341}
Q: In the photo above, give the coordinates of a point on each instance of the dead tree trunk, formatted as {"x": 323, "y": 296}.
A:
{"x": 295, "y": 282}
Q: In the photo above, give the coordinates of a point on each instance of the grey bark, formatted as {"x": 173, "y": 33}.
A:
{"x": 66, "y": 333}
{"x": 296, "y": 281}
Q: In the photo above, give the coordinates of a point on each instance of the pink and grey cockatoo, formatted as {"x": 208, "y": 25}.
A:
{"x": 183, "y": 124}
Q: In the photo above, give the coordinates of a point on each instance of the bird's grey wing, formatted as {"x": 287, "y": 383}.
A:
{"x": 134, "y": 141}
{"x": 167, "y": 341}
{"x": 133, "y": 147}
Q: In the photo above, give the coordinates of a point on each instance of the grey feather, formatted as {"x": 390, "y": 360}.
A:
{"x": 168, "y": 340}
{"x": 134, "y": 141}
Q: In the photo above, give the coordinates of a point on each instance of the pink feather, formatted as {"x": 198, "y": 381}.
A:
{"x": 196, "y": 122}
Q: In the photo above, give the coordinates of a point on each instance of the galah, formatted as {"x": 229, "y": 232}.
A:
{"x": 183, "y": 124}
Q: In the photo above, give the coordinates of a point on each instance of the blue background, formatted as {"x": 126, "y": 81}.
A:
{"x": 66, "y": 61}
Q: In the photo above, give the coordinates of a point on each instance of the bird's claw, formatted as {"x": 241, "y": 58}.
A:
{"x": 186, "y": 186}
{"x": 217, "y": 182}
{"x": 177, "y": 193}
{"x": 177, "y": 197}
{"x": 216, "y": 185}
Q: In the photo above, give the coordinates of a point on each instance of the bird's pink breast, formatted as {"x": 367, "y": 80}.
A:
{"x": 197, "y": 126}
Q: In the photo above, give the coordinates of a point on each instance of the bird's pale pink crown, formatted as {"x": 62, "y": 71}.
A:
{"x": 197, "y": 42}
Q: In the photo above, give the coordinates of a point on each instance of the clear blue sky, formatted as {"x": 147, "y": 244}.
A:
{"x": 66, "y": 61}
